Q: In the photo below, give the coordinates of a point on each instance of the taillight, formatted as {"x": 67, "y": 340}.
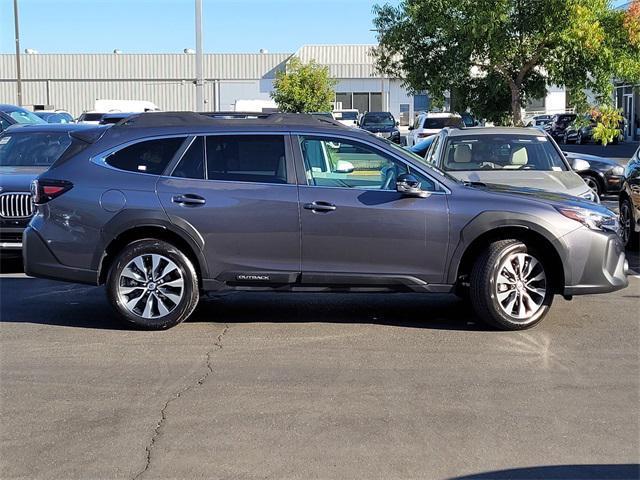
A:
{"x": 44, "y": 190}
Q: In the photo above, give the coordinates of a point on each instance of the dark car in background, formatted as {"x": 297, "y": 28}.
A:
{"x": 168, "y": 205}
{"x": 539, "y": 121}
{"x": 13, "y": 115}
{"x": 25, "y": 153}
{"x": 559, "y": 124}
{"x": 603, "y": 175}
{"x": 630, "y": 202}
{"x": 581, "y": 131}
{"x": 381, "y": 124}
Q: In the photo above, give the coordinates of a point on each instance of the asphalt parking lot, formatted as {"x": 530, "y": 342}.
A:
{"x": 315, "y": 386}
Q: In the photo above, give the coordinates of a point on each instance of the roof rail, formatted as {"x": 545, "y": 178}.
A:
{"x": 178, "y": 119}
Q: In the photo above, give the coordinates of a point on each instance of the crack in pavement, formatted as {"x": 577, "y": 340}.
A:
{"x": 176, "y": 396}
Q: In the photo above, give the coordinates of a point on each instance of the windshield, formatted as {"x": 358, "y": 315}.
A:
{"x": 346, "y": 115}
{"x": 418, "y": 159}
{"x": 32, "y": 149}
{"x": 502, "y": 152}
{"x": 433, "y": 123}
{"x": 24, "y": 117}
{"x": 378, "y": 120}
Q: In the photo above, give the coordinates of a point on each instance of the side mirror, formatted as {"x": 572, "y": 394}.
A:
{"x": 397, "y": 123}
{"x": 342, "y": 166}
{"x": 409, "y": 186}
{"x": 410, "y": 127}
{"x": 580, "y": 165}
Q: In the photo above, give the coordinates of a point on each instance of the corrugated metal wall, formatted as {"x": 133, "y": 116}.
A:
{"x": 236, "y": 66}
{"x": 344, "y": 61}
{"x": 74, "y": 81}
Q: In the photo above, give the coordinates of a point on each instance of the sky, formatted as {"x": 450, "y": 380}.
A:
{"x": 167, "y": 26}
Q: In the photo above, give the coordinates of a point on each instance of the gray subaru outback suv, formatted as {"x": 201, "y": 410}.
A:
{"x": 164, "y": 206}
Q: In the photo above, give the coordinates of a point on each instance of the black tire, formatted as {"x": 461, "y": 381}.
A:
{"x": 593, "y": 183}
{"x": 483, "y": 289}
{"x": 185, "y": 271}
{"x": 631, "y": 238}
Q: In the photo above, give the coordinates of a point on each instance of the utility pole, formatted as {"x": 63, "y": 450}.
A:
{"x": 18, "y": 76}
{"x": 199, "y": 59}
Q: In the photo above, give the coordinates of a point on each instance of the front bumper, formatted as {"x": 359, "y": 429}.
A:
{"x": 11, "y": 234}
{"x": 596, "y": 263}
{"x": 613, "y": 183}
{"x": 39, "y": 261}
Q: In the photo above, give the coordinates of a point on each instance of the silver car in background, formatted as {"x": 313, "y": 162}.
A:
{"x": 517, "y": 157}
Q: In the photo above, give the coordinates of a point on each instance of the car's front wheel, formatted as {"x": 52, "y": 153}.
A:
{"x": 152, "y": 284}
{"x": 629, "y": 236}
{"x": 510, "y": 288}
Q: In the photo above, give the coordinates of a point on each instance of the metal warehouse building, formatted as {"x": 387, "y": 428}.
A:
{"x": 74, "y": 81}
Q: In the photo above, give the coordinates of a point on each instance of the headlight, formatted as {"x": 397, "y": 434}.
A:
{"x": 591, "y": 196}
{"x": 617, "y": 170}
{"x": 591, "y": 218}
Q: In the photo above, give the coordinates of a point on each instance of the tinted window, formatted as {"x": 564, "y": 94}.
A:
{"x": 91, "y": 117}
{"x": 502, "y": 152}
{"x": 442, "y": 122}
{"x": 346, "y": 115}
{"x": 336, "y": 162}
{"x": 150, "y": 156}
{"x": 192, "y": 163}
{"x": 246, "y": 158}
{"x": 32, "y": 149}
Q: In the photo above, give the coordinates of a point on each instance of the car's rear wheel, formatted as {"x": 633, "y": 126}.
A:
{"x": 152, "y": 285}
{"x": 510, "y": 287}
{"x": 630, "y": 238}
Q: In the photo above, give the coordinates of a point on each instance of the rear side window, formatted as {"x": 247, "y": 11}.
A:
{"x": 246, "y": 158}
{"x": 150, "y": 156}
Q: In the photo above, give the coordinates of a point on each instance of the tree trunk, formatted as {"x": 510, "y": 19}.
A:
{"x": 516, "y": 110}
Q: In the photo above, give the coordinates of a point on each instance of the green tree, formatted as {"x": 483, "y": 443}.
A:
{"x": 516, "y": 45}
{"x": 304, "y": 88}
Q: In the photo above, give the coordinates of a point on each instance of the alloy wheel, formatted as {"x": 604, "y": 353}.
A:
{"x": 625, "y": 221}
{"x": 592, "y": 184}
{"x": 151, "y": 286}
{"x": 521, "y": 286}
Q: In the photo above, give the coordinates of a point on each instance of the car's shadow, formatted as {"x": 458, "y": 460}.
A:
{"x": 54, "y": 303}
{"x": 623, "y": 471}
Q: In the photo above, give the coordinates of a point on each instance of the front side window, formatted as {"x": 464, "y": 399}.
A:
{"x": 149, "y": 156}
{"x": 342, "y": 163}
{"x": 246, "y": 158}
{"x": 18, "y": 149}
{"x": 502, "y": 152}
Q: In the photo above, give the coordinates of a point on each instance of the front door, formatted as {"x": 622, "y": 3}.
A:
{"x": 238, "y": 193}
{"x": 355, "y": 223}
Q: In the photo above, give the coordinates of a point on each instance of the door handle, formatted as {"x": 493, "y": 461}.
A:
{"x": 188, "y": 199}
{"x": 320, "y": 206}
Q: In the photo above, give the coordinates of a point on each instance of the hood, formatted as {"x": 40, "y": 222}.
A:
{"x": 568, "y": 182}
{"x": 551, "y": 198}
{"x": 591, "y": 158}
{"x": 372, "y": 129}
{"x": 18, "y": 179}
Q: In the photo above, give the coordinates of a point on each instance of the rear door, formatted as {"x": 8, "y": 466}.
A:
{"x": 238, "y": 192}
